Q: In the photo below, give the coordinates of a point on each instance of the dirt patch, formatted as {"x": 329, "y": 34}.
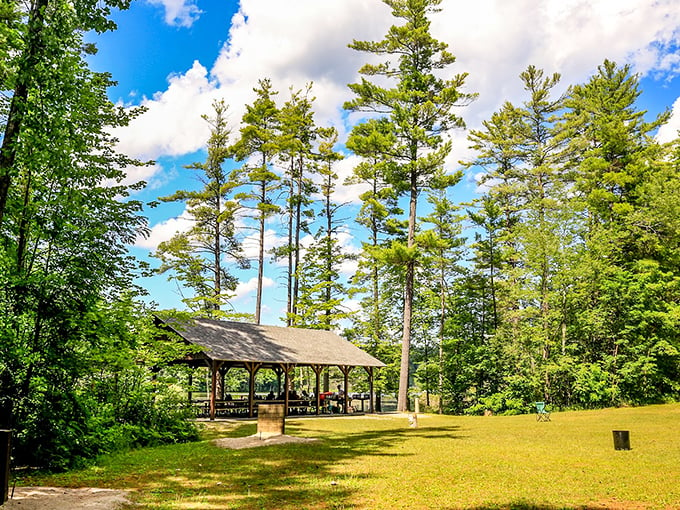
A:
{"x": 236, "y": 443}
{"x": 58, "y": 498}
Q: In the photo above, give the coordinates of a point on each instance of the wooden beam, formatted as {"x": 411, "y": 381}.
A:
{"x": 214, "y": 369}
{"x": 252, "y": 369}
{"x": 345, "y": 369}
{"x": 317, "y": 388}
{"x": 286, "y": 368}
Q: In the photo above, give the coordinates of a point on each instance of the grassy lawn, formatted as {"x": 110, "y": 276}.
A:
{"x": 378, "y": 462}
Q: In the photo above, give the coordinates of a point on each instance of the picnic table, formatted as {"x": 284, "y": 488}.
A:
{"x": 240, "y": 407}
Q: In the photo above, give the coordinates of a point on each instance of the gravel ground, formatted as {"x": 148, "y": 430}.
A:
{"x": 254, "y": 441}
{"x": 57, "y": 498}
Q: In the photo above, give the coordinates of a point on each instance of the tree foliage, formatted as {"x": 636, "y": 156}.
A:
{"x": 420, "y": 109}
{"x": 70, "y": 325}
{"x": 199, "y": 257}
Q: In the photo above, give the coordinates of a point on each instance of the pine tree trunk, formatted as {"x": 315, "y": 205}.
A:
{"x": 298, "y": 214}
{"x": 289, "y": 287}
{"x": 442, "y": 320}
{"x": 217, "y": 241}
{"x": 260, "y": 264}
{"x": 402, "y": 399}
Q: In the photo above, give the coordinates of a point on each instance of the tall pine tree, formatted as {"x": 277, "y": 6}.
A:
{"x": 420, "y": 107}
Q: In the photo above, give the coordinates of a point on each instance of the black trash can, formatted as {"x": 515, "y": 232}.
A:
{"x": 5, "y": 450}
{"x": 621, "y": 439}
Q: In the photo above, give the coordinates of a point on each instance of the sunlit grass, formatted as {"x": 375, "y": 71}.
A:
{"x": 378, "y": 462}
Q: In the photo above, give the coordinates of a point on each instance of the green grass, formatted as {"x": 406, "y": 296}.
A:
{"x": 449, "y": 462}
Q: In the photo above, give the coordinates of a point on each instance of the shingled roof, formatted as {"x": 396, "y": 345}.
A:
{"x": 239, "y": 342}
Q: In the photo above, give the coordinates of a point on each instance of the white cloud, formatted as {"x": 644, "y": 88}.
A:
{"x": 165, "y": 230}
{"x": 172, "y": 124}
{"x": 308, "y": 44}
{"x": 494, "y": 41}
{"x": 244, "y": 290}
{"x": 669, "y": 131}
{"x": 251, "y": 243}
{"x": 180, "y": 13}
{"x": 347, "y": 193}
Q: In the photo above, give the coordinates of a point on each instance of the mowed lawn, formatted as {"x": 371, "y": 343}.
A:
{"x": 378, "y": 462}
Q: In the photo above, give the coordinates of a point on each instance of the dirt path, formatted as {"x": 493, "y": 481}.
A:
{"x": 236, "y": 443}
{"x": 57, "y": 498}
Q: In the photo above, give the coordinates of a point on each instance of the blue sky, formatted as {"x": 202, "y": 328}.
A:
{"x": 176, "y": 56}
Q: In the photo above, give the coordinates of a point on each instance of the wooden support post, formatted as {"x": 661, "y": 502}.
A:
{"x": 345, "y": 372}
{"x": 371, "y": 408}
{"x": 5, "y": 452}
{"x": 214, "y": 369}
{"x": 317, "y": 389}
{"x": 286, "y": 368}
{"x": 252, "y": 369}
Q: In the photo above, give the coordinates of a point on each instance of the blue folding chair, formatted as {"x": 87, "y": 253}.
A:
{"x": 542, "y": 414}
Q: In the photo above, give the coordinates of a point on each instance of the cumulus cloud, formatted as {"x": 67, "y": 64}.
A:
{"x": 172, "y": 124}
{"x": 669, "y": 131}
{"x": 245, "y": 290}
{"x": 181, "y": 13}
{"x": 165, "y": 230}
{"x": 493, "y": 40}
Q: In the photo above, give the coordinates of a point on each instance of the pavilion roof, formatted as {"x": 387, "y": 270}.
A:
{"x": 238, "y": 342}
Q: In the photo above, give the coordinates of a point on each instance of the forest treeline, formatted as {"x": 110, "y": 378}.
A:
{"x": 558, "y": 283}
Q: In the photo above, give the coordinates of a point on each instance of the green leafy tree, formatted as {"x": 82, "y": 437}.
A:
{"x": 420, "y": 107}
{"x": 629, "y": 253}
{"x": 67, "y": 298}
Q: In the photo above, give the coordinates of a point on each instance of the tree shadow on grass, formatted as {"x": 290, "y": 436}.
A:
{"x": 200, "y": 476}
{"x": 526, "y": 506}
{"x": 294, "y": 475}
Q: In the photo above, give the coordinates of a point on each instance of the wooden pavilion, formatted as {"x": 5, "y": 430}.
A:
{"x": 224, "y": 345}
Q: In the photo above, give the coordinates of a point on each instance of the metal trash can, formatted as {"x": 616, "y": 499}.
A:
{"x": 5, "y": 450}
{"x": 621, "y": 439}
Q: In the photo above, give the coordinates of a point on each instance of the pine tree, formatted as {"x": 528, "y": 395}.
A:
{"x": 523, "y": 150}
{"x": 420, "y": 107}
{"x": 322, "y": 292}
{"x": 298, "y": 132}
{"x": 196, "y": 257}
{"x": 257, "y": 146}
{"x": 442, "y": 250}
{"x": 371, "y": 140}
